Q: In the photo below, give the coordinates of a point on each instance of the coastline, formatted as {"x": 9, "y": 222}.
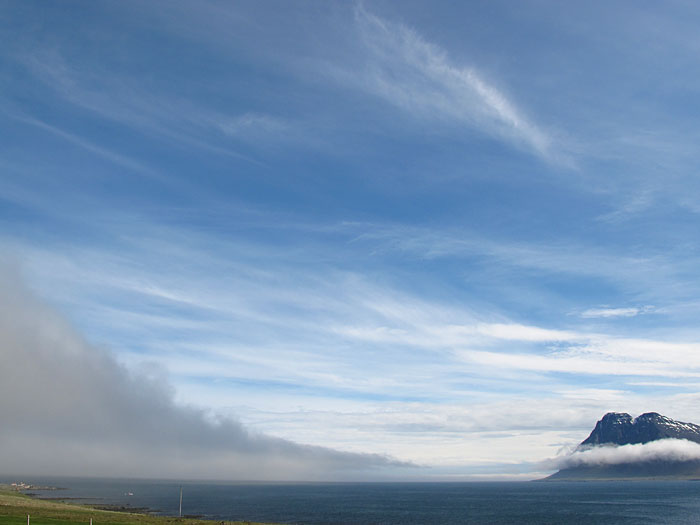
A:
{"x": 15, "y": 506}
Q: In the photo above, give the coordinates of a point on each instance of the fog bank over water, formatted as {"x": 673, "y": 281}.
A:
{"x": 69, "y": 408}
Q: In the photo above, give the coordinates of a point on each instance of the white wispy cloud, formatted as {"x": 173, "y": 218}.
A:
{"x": 335, "y": 309}
{"x": 653, "y": 274}
{"x": 114, "y": 157}
{"x": 562, "y": 257}
{"x": 585, "y": 363}
{"x": 159, "y": 112}
{"x": 417, "y": 76}
{"x": 253, "y": 123}
{"x": 615, "y": 312}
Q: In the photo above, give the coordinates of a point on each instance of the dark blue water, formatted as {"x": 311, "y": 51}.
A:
{"x": 403, "y": 503}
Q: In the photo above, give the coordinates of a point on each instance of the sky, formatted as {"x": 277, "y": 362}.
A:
{"x": 343, "y": 240}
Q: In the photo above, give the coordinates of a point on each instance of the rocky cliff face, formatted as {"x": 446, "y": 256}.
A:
{"x": 620, "y": 429}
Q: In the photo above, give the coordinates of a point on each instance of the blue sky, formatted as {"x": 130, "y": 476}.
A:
{"x": 452, "y": 234}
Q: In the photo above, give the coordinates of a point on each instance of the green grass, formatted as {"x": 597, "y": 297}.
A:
{"x": 15, "y": 506}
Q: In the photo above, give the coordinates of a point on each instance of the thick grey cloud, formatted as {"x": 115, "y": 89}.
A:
{"x": 69, "y": 408}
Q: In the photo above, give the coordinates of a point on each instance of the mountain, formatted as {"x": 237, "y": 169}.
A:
{"x": 617, "y": 429}
{"x": 620, "y": 429}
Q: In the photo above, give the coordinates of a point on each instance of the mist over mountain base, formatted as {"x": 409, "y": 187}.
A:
{"x": 650, "y": 470}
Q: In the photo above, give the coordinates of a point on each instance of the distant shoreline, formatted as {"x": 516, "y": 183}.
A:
{"x": 15, "y": 504}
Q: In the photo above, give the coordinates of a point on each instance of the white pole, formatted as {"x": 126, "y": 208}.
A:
{"x": 180, "y": 502}
{"x": 90, "y": 521}
{"x": 27, "y": 519}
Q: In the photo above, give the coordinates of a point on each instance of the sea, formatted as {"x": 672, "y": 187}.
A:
{"x": 587, "y": 503}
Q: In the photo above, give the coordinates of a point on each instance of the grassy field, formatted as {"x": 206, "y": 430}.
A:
{"x": 15, "y": 506}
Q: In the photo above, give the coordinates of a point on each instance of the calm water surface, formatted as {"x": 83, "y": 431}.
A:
{"x": 403, "y": 503}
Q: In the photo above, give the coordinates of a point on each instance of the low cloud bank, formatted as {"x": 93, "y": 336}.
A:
{"x": 666, "y": 450}
{"x": 68, "y": 408}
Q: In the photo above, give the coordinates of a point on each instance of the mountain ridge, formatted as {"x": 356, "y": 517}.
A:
{"x": 619, "y": 428}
